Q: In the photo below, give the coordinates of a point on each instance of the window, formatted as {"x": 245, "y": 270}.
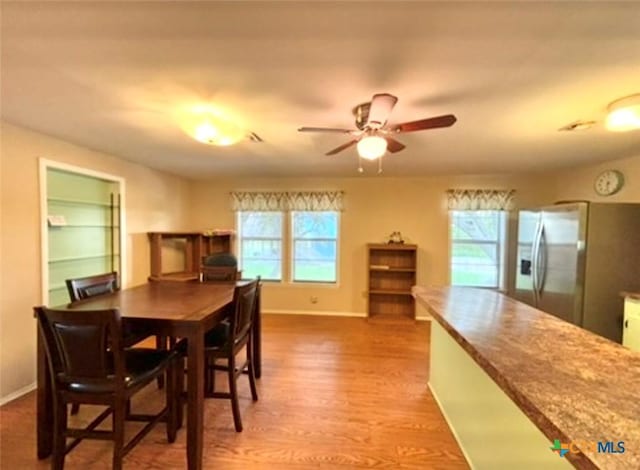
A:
{"x": 260, "y": 244}
{"x": 478, "y": 248}
{"x": 315, "y": 246}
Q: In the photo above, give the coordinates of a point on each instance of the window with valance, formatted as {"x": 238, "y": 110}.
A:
{"x": 478, "y": 234}
{"x": 298, "y": 225}
{"x": 282, "y": 201}
{"x": 480, "y": 199}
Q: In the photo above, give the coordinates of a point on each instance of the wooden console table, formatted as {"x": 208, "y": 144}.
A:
{"x": 197, "y": 245}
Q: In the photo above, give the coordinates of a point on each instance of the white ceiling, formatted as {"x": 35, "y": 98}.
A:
{"x": 111, "y": 75}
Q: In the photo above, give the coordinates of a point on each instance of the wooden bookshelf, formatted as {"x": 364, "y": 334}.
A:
{"x": 392, "y": 273}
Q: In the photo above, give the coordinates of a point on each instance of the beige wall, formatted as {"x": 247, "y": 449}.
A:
{"x": 374, "y": 207}
{"x": 577, "y": 183}
{"x": 154, "y": 201}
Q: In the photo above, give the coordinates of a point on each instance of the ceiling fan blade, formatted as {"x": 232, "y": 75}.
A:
{"x": 393, "y": 145}
{"x": 429, "y": 123}
{"x": 341, "y": 148}
{"x": 325, "y": 129}
{"x": 381, "y": 106}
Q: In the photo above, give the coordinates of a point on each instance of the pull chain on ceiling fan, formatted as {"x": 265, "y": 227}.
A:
{"x": 373, "y": 136}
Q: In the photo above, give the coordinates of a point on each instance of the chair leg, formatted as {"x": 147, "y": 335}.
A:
{"x": 212, "y": 376}
{"x": 59, "y": 435}
{"x": 172, "y": 402}
{"x": 233, "y": 392}
{"x": 75, "y": 407}
{"x": 161, "y": 343}
{"x": 208, "y": 389}
{"x": 180, "y": 392}
{"x": 252, "y": 372}
{"x": 119, "y": 411}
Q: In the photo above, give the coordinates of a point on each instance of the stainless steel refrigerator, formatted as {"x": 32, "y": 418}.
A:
{"x": 574, "y": 260}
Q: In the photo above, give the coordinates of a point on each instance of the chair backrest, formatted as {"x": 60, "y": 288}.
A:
{"x": 219, "y": 273}
{"x": 220, "y": 259}
{"x": 244, "y": 302}
{"x": 90, "y": 286}
{"x": 82, "y": 344}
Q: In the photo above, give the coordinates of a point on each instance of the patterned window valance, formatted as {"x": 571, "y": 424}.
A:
{"x": 287, "y": 201}
{"x": 315, "y": 200}
{"x": 480, "y": 199}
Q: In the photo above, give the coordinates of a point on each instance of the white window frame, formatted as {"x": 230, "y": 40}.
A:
{"x": 241, "y": 239}
{"x": 500, "y": 243}
{"x": 292, "y": 249}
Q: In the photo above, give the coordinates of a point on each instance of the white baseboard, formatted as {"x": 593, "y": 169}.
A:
{"x": 322, "y": 313}
{"x": 17, "y": 394}
{"x": 453, "y": 431}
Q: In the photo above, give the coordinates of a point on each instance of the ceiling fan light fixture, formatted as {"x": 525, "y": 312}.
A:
{"x": 624, "y": 114}
{"x": 372, "y": 147}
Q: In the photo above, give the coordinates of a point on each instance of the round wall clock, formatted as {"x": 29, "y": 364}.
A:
{"x": 609, "y": 182}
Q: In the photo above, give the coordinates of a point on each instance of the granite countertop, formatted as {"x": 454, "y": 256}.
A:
{"x": 574, "y": 385}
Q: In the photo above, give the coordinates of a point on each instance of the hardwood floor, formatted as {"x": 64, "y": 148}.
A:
{"x": 335, "y": 393}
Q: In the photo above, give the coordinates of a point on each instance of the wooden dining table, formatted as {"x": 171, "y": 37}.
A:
{"x": 176, "y": 309}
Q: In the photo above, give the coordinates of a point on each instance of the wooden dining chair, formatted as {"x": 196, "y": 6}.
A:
{"x": 89, "y": 364}
{"x": 100, "y": 284}
{"x": 226, "y": 341}
{"x": 219, "y": 273}
{"x": 90, "y": 286}
{"x": 221, "y": 267}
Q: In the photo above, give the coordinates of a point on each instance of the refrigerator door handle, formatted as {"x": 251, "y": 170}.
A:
{"x": 541, "y": 263}
{"x": 535, "y": 248}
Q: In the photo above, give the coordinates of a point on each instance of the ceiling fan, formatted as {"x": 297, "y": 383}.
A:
{"x": 373, "y": 135}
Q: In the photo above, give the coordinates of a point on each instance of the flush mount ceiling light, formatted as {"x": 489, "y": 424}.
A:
{"x": 216, "y": 133}
{"x": 372, "y": 147}
{"x": 212, "y": 125}
{"x": 624, "y": 114}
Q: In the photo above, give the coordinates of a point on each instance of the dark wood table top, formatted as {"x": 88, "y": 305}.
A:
{"x": 574, "y": 385}
{"x": 173, "y": 301}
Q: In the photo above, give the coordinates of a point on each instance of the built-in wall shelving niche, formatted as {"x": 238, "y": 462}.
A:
{"x": 83, "y": 228}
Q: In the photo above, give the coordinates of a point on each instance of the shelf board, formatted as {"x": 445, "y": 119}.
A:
{"x": 83, "y": 226}
{"x": 80, "y": 202}
{"x": 392, "y": 246}
{"x": 57, "y": 287}
{"x": 393, "y": 270}
{"x": 390, "y": 292}
{"x": 78, "y": 258}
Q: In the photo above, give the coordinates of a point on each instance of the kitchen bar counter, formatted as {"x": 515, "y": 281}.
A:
{"x": 631, "y": 295}
{"x": 573, "y": 385}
